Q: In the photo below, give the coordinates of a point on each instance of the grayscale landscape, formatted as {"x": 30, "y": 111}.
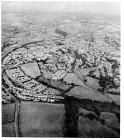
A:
{"x": 60, "y": 69}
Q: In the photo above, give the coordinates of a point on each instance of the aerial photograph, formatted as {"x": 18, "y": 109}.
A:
{"x": 60, "y": 69}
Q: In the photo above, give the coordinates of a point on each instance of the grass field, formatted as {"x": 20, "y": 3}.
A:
{"x": 8, "y": 113}
{"x": 41, "y": 119}
{"x": 8, "y": 130}
{"x": 94, "y": 129}
{"x": 31, "y": 69}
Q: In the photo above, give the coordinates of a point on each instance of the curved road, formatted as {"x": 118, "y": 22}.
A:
{"x": 18, "y": 47}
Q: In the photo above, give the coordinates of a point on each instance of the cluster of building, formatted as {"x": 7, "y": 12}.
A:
{"x": 17, "y": 57}
{"x": 47, "y": 95}
{"x": 17, "y": 75}
{"x": 6, "y": 97}
{"x": 30, "y": 89}
{"x": 37, "y": 93}
{"x": 63, "y": 59}
{"x": 57, "y": 59}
